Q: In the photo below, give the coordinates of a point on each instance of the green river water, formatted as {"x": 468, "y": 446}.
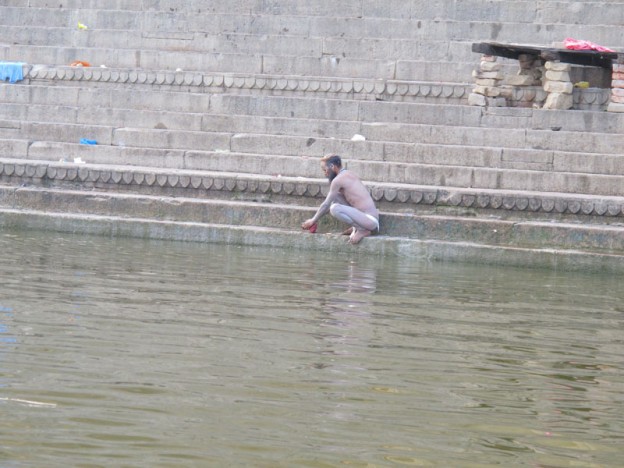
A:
{"x": 125, "y": 352}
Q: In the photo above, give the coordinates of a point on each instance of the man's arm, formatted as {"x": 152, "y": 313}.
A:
{"x": 334, "y": 190}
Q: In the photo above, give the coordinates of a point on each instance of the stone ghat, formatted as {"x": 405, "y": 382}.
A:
{"x": 553, "y": 231}
{"x": 203, "y": 184}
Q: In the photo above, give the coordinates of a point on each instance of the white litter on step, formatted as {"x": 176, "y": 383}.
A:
{"x": 358, "y": 137}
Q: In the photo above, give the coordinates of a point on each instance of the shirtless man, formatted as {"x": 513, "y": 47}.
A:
{"x": 349, "y": 201}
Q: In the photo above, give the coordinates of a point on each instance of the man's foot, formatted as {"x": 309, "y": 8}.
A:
{"x": 358, "y": 235}
{"x": 348, "y": 231}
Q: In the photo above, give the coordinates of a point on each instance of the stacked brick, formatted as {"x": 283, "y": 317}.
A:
{"x": 530, "y": 73}
{"x": 617, "y": 89}
{"x": 488, "y": 80}
{"x": 557, "y": 84}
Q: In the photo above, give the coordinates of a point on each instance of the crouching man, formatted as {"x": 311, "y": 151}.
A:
{"x": 349, "y": 201}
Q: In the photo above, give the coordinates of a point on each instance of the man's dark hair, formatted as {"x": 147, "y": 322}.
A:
{"x": 334, "y": 160}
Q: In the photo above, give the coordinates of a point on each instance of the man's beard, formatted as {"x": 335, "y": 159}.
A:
{"x": 331, "y": 176}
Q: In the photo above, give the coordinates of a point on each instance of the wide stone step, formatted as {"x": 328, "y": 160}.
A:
{"x": 303, "y": 166}
{"x": 250, "y": 63}
{"x": 390, "y": 151}
{"x": 392, "y": 197}
{"x": 521, "y": 149}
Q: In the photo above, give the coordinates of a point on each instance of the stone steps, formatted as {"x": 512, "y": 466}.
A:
{"x": 300, "y": 103}
{"x": 423, "y": 144}
{"x": 595, "y": 237}
{"x": 405, "y": 41}
{"x": 384, "y": 142}
{"x": 571, "y": 246}
{"x": 226, "y": 150}
{"x": 310, "y": 66}
{"x": 449, "y": 175}
{"x": 397, "y": 120}
{"x": 234, "y": 185}
{"x": 502, "y": 227}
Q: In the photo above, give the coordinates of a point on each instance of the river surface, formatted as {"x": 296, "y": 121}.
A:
{"x": 125, "y": 352}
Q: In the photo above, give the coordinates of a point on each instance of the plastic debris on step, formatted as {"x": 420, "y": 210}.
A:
{"x": 78, "y": 161}
{"x": 358, "y": 137}
{"x": 82, "y": 26}
{"x": 11, "y": 71}
{"x": 79, "y": 63}
{"x": 86, "y": 141}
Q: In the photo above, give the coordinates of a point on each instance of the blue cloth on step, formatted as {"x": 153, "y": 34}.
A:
{"x": 11, "y": 71}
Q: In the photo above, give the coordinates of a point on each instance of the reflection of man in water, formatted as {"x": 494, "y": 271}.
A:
{"x": 348, "y": 200}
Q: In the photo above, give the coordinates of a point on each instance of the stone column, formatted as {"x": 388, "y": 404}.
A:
{"x": 488, "y": 78}
{"x": 617, "y": 89}
{"x": 558, "y": 85}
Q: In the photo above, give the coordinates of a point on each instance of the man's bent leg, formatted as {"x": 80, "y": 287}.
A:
{"x": 341, "y": 200}
{"x": 354, "y": 217}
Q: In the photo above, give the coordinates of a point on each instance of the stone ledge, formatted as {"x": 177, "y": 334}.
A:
{"x": 126, "y": 177}
{"x": 205, "y": 81}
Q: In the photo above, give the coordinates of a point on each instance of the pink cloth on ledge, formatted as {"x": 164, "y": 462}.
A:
{"x": 579, "y": 44}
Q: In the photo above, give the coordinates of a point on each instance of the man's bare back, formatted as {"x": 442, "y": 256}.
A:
{"x": 360, "y": 212}
{"x": 354, "y": 191}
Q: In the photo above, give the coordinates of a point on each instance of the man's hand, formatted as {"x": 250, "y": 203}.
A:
{"x": 307, "y": 223}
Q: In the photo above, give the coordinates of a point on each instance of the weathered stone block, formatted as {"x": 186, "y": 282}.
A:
{"x": 520, "y": 80}
{"x": 475, "y": 99}
{"x": 506, "y": 92}
{"x": 617, "y": 92}
{"x": 616, "y": 107}
{"x": 487, "y": 91}
{"x": 557, "y": 75}
{"x": 617, "y": 99}
{"x": 558, "y": 87}
{"x": 486, "y": 82}
{"x": 617, "y": 84}
{"x": 559, "y": 101}
{"x": 490, "y": 66}
{"x": 487, "y": 75}
{"x": 558, "y": 66}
